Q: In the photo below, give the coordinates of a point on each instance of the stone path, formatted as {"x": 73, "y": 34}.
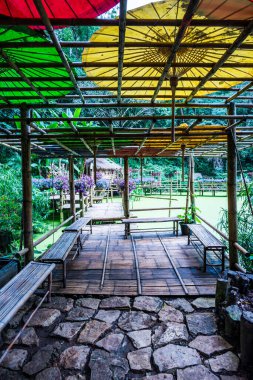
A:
{"x": 120, "y": 338}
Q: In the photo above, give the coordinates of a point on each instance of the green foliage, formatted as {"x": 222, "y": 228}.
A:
{"x": 11, "y": 203}
{"x": 245, "y": 227}
{"x": 188, "y": 215}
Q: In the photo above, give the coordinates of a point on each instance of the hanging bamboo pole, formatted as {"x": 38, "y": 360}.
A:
{"x": 126, "y": 188}
{"x": 27, "y": 185}
{"x": 192, "y": 193}
{"x": 183, "y": 156}
{"x": 188, "y": 192}
{"x": 232, "y": 188}
{"x": 72, "y": 188}
{"x": 61, "y": 205}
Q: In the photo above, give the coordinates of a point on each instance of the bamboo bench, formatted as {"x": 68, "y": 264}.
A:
{"x": 79, "y": 225}
{"x": 20, "y": 288}
{"x": 199, "y": 234}
{"x": 130, "y": 221}
{"x": 60, "y": 250}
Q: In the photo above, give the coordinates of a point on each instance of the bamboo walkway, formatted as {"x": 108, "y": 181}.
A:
{"x": 148, "y": 264}
{"x": 106, "y": 211}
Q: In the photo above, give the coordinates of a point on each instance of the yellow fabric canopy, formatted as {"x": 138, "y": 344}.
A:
{"x": 196, "y": 35}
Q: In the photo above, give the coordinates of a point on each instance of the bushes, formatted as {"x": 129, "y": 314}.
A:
{"x": 11, "y": 204}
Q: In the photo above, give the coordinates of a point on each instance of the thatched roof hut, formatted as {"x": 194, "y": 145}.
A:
{"x": 107, "y": 167}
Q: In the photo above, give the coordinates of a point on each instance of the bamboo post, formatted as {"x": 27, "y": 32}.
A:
{"x": 231, "y": 189}
{"x": 183, "y": 155}
{"x": 27, "y": 185}
{"x": 82, "y": 204}
{"x": 170, "y": 197}
{"x": 126, "y": 188}
{"x": 72, "y": 188}
{"x": 95, "y": 166}
{"x": 61, "y": 205}
{"x": 187, "y": 192}
{"x": 141, "y": 162}
{"x": 86, "y": 203}
{"x": 192, "y": 194}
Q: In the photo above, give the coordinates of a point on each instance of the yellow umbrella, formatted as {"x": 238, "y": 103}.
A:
{"x": 142, "y": 80}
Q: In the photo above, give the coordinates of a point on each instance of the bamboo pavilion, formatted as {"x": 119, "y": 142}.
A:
{"x": 171, "y": 56}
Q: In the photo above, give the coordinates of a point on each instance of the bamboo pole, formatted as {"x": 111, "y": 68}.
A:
{"x": 231, "y": 188}
{"x": 27, "y": 185}
{"x": 61, "y": 205}
{"x": 72, "y": 188}
{"x": 95, "y": 165}
{"x": 126, "y": 188}
{"x": 141, "y": 167}
{"x": 192, "y": 193}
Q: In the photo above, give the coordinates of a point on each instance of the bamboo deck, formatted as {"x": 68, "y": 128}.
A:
{"x": 157, "y": 276}
{"x": 106, "y": 211}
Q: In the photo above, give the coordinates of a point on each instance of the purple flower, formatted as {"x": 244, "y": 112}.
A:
{"x": 61, "y": 183}
{"x": 121, "y": 184}
{"x": 83, "y": 184}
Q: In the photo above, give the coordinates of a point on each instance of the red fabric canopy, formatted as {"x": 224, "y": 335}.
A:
{"x": 56, "y": 8}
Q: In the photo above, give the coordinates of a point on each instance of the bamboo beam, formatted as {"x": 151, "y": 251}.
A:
{"x": 112, "y": 139}
{"x": 124, "y": 88}
{"x": 128, "y": 44}
{"x": 120, "y": 105}
{"x": 72, "y": 188}
{"x": 26, "y": 185}
{"x": 126, "y": 188}
{"x": 82, "y": 78}
{"x": 192, "y": 6}
{"x": 50, "y": 30}
{"x": 231, "y": 188}
{"x": 122, "y": 32}
{"x": 115, "y": 22}
{"x": 241, "y": 91}
{"x": 239, "y": 40}
{"x": 99, "y": 64}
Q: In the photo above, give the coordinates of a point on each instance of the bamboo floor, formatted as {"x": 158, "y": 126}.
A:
{"x": 106, "y": 211}
{"x": 156, "y": 273}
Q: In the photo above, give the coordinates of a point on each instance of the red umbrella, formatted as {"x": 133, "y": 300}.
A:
{"x": 56, "y": 9}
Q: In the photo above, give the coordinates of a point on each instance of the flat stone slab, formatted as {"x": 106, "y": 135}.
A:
{"x": 41, "y": 359}
{"x": 14, "y": 359}
{"x": 111, "y": 342}
{"x": 210, "y": 345}
{"x": 92, "y": 331}
{"x": 146, "y": 303}
{"x": 140, "y": 360}
{"x": 201, "y": 323}
{"x": 74, "y": 357}
{"x": 107, "y": 366}
{"x": 75, "y": 377}
{"x": 233, "y": 377}
{"x": 90, "y": 303}
{"x": 173, "y": 356}
{"x": 79, "y": 313}
{"x": 198, "y": 372}
{"x": 135, "y": 320}
{"x": 29, "y": 337}
{"x": 173, "y": 332}
{"x": 68, "y": 330}
{"x": 61, "y": 303}
{"x": 115, "y": 303}
{"x": 181, "y": 304}
{"x": 160, "y": 376}
{"x": 109, "y": 316}
{"x": 52, "y": 373}
{"x": 204, "y": 303}
{"x": 226, "y": 362}
{"x": 170, "y": 314}
{"x": 140, "y": 339}
{"x": 44, "y": 317}
{"x": 11, "y": 375}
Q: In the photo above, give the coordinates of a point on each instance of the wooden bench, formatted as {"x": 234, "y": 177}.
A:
{"x": 199, "y": 234}
{"x": 130, "y": 221}
{"x": 20, "y": 288}
{"x": 59, "y": 251}
{"x": 79, "y": 225}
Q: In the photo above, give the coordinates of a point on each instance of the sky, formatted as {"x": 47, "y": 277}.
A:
{"x": 131, "y": 4}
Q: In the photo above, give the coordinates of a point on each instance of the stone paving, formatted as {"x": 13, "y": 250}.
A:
{"x": 120, "y": 338}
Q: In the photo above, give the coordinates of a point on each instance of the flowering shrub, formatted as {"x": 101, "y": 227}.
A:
{"x": 61, "y": 183}
{"x": 42, "y": 183}
{"x": 83, "y": 184}
{"x": 99, "y": 175}
{"x": 121, "y": 184}
{"x": 102, "y": 184}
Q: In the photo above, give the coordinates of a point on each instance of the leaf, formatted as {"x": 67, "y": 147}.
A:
{"x": 17, "y": 123}
{"x": 77, "y": 114}
{"x": 66, "y": 124}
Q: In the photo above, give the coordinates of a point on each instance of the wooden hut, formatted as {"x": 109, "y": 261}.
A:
{"x": 106, "y": 167}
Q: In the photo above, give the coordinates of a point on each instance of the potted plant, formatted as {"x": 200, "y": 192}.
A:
{"x": 188, "y": 217}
